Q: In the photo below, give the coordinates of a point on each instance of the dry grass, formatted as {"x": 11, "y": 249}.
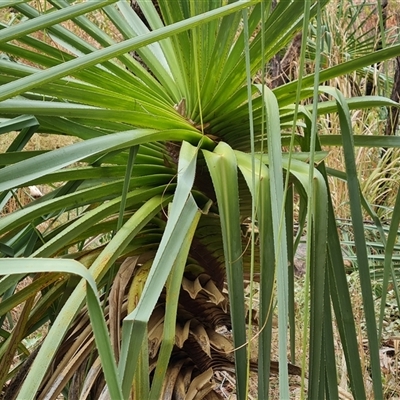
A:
{"x": 378, "y": 176}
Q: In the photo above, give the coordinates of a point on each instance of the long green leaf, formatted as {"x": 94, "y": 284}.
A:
{"x": 359, "y": 237}
{"x": 17, "y": 266}
{"x": 45, "y": 20}
{"x": 173, "y": 287}
{"x": 25, "y": 171}
{"x": 181, "y": 220}
{"x": 223, "y": 170}
{"x": 278, "y": 209}
{"x": 388, "y": 259}
{"x": 283, "y": 93}
{"x": 316, "y": 260}
{"x": 362, "y": 141}
{"x": 74, "y": 302}
{"x": 261, "y": 193}
{"x": 28, "y": 125}
{"x": 341, "y": 302}
{"x": 41, "y": 78}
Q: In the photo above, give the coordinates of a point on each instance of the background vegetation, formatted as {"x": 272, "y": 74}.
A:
{"x": 179, "y": 174}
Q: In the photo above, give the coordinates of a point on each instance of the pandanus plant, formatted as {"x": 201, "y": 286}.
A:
{"x": 177, "y": 187}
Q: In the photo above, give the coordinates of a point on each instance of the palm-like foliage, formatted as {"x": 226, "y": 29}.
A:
{"x": 156, "y": 205}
